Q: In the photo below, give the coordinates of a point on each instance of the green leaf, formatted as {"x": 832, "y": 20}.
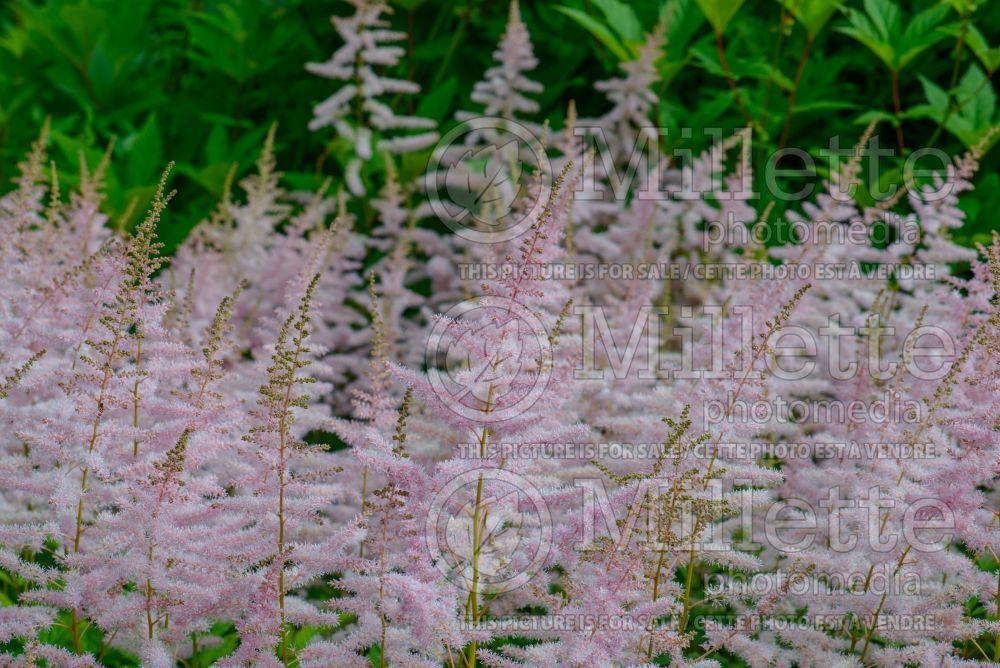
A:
{"x": 217, "y": 144}
{"x": 85, "y": 24}
{"x": 921, "y": 34}
{"x": 823, "y": 105}
{"x": 876, "y": 115}
{"x": 15, "y": 39}
{"x": 302, "y": 636}
{"x": 222, "y": 42}
{"x": 438, "y": 101}
{"x": 976, "y": 97}
{"x": 974, "y": 111}
{"x": 863, "y": 30}
{"x": 375, "y": 655}
{"x": 600, "y": 31}
{"x": 720, "y": 12}
{"x": 622, "y": 19}
{"x": 937, "y": 98}
{"x": 812, "y": 14}
{"x": 145, "y": 153}
{"x": 669, "y": 69}
{"x": 990, "y": 58}
{"x": 885, "y": 18}
{"x": 880, "y": 28}
{"x": 963, "y": 7}
{"x": 685, "y": 21}
{"x": 100, "y": 74}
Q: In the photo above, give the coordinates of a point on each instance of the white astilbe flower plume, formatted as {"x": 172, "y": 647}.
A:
{"x": 355, "y": 111}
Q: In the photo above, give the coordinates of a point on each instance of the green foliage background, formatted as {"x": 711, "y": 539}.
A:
{"x": 199, "y": 81}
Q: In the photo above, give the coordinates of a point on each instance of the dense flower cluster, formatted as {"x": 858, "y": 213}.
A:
{"x": 282, "y": 429}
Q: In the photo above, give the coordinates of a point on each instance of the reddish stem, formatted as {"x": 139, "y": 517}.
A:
{"x": 793, "y": 91}
{"x": 899, "y": 111}
{"x": 720, "y": 47}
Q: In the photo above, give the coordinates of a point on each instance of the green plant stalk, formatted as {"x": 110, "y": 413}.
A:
{"x": 282, "y": 447}
{"x": 774, "y": 63}
{"x": 281, "y": 535}
{"x": 864, "y": 589}
{"x": 150, "y": 624}
{"x": 791, "y": 94}
{"x": 364, "y": 506}
{"x": 952, "y": 103}
{"x": 878, "y": 610}
{"x": 381, "y": 600}
{"x": 135, "y": 399}
{"x": 688, "y": 583}
{"x": 711, "y": 463}
{"x": 720, "y": 48}
{"x": 75, "y": 630}
{"x": 996, "y": 640}
{"x": 472, "y": 607}
{"x": 659, "y": 563}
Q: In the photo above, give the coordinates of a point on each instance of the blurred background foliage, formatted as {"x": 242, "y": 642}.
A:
{"x": 199, "y": 81}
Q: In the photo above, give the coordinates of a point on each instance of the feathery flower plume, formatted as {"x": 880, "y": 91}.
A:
{"x": 356, "y": 111}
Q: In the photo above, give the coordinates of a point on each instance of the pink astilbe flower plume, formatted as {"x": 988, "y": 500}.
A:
{"x": 283, "y": 493}
{"x": 505, "y": 87}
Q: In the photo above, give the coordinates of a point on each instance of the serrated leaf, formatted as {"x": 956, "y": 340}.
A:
{"x": 977, "y": 103}
{"x": 880, "y": 28}
{"x": 921, "y": 34}
{"x": 885, "y": 18}
{"x": 863, "y": 30}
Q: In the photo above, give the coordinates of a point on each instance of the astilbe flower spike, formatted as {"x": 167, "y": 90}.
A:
{"x": 356, "y": 111}
{"x": 504, "y": 89}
